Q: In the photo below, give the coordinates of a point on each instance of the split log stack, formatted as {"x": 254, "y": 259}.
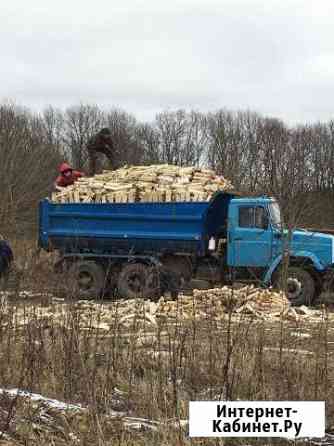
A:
{"x": 155, "y": 183}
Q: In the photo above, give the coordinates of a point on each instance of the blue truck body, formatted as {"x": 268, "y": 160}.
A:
{"x": 131, "y": 227}
{"x": 247, "y": 234}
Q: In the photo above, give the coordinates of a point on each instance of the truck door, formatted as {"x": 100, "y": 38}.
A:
{"x": 250, "y": 236}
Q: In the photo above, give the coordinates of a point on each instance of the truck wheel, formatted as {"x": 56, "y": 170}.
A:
{"x": 328, "y": 281}
{"x": 178, "y": 265}
{"x": 300, "y": 286}
{"x": 88, "y": 278}
{"x": 138, "y": 280}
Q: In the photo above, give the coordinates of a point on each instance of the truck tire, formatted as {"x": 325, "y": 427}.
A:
{"x": 326, "y": 294}
{"x": 300, "y": 285}
{"x": 178, "y": 265}
{"x": 88, "y": 278}
{"x": 138, "y": 280}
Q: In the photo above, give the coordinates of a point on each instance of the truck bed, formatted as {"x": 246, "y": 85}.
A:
{"x": 120, "y": 228}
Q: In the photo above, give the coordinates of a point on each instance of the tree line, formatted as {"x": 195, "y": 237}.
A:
{"x": 257, "y": 153}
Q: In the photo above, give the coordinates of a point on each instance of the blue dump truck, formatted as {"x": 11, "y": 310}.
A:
{"x": 142, "y": 249}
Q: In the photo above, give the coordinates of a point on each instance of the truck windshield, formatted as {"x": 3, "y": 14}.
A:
{"x": 275, "y": 215}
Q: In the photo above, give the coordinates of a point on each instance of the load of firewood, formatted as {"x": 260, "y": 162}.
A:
{"x": 155, "y": 183}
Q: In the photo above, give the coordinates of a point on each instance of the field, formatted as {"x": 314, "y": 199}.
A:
{"x": 109, "y": 373}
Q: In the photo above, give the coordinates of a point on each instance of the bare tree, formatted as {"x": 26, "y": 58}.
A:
{"x": 182, "y": 137}
{"x": 54, "y": 129}
{"x": 81, "y": 122}
{"x": 149, "y": 138}
{"x": 125, "y": 133}
{"x": 233, "y": 148}
{"x": 27, "y": 162}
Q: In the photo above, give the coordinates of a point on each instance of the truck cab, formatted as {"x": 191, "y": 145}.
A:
{"x": 256, "y": 243}
{"x": 254, "y": 229}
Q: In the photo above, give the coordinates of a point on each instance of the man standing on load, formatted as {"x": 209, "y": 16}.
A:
{"x": 100, "y": 143}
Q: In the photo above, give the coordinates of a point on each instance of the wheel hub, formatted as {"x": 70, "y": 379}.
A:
{"x": 294, "y": 287}
{"x": 136, "y": 283}
{"x": 85, "y": 280}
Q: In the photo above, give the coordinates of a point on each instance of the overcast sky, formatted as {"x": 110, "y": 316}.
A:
{"x": 271, "y": 56}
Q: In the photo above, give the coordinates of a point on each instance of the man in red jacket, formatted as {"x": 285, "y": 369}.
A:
{"x": 67, "y": 176}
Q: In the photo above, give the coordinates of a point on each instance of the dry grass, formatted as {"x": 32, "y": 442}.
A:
{"x": 157, "y": 372}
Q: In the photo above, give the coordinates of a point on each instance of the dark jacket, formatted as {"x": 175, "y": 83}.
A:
{"x": 6, "y": 255}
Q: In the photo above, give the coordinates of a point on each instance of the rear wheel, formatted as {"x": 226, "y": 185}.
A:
{"x": 88, "y": 278}
{"x": 138, "y": 280}
{"x": 300, "y": 285}
{"x": 178, "y": 265}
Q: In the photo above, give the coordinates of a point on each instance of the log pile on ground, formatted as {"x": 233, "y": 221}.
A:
{"x": 216, "y": 303}
{"x": 155, "y": 183}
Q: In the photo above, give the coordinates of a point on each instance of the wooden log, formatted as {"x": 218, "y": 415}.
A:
{"x": 98, "y": 197}
{"x": 168, "y": 195}
{"x": 110, "y": 197}
{"x": 54, "y": 197}
{"x": 131, "y": 196}
{"x": 76, "y": 196}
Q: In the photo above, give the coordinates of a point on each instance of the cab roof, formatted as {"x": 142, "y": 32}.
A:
{"x": 248, "y": 197}
{"x": 255, "y": 200}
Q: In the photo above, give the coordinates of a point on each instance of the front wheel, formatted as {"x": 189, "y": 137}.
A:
{"x": 299, "y": 285}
